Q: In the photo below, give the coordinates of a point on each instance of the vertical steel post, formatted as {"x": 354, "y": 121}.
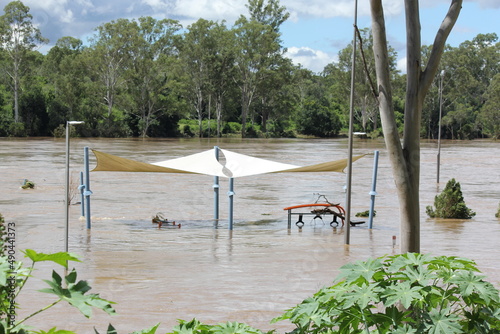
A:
{"x": 216, "y": 189}
{"x": 347, "y": 235}
{"x": 87, "y": 192}
{"x": 81, "y": 187}
{"x": 439, "y": 130}
{"x": 373, "y": 193}
{"x": 231, "y": 201}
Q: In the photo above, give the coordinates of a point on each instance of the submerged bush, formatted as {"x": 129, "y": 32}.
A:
{"x": 409, "y": 293}
{"x": 450, "y": 203}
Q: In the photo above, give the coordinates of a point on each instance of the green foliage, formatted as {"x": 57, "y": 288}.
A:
{"x": 318, "y": 120}
{"x": 409, "y": 293}
{"x": 196, "y": 327}
{"x": 14, "y": 275}
{"x": 498, "y": 212}
{"x": 366, "y": 213}
{"x": 450, "y": 203}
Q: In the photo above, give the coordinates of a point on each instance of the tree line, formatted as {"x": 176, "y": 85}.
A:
{"x": 150, "y": 77}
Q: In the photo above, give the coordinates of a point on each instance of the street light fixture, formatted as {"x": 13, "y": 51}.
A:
{"x": 66, "y": 198}
{"x": 439, "y": 130}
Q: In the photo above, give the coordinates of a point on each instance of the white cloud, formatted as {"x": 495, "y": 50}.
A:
{"x": 401, "y": 65}
{"x": 315, "y": 60}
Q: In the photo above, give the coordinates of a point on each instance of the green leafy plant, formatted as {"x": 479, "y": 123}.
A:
{"x": 450, "y": 203}
{"x": 409, "y": 293}
{"x": 366, "y": 213}
{"x": 14, "y": 275}
{"x": 196, "y": 327}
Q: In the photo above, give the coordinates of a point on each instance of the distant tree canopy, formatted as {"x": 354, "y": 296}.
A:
{"x": 141, "y": 77}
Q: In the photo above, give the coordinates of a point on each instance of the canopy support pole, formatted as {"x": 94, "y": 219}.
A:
{"x": 216, "y": 190}
{"x": 81, "y": 187}
{"x": 373, "y": 193}
{"x": 231, "y": 201}
{"x": 87, "y": 191}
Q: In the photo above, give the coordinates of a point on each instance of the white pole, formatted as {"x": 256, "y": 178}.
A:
{"x": 373, "y": 193}
{"x": 439, "y": 130}
{"x": 66, "y": 197}
{"x": 347, "y": 235}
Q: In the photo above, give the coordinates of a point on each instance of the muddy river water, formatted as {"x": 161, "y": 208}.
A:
{"x": 204, "y": 271}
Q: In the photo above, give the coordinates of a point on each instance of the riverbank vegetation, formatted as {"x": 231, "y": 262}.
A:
{"x": 154, "y": 78}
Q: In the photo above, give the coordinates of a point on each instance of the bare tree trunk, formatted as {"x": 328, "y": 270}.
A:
{"x": 405, "y": 158}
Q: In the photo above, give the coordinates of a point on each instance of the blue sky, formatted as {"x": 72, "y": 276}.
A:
{"x": 316, "y": 31}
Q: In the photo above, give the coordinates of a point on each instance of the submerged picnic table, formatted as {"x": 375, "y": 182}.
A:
{"x": 318, "y": 210}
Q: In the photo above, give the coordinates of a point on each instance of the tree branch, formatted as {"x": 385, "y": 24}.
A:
{"x": 365, "y": 65}
{"x": 439, "y": 44}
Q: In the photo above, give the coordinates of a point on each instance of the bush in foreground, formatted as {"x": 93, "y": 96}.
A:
{"x": 410, "y": 293}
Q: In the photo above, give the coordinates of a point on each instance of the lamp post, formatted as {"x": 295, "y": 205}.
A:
{"x": 439, "y": 129}
{"x": 66, "y": 198}
{"x": 347, "y": 235}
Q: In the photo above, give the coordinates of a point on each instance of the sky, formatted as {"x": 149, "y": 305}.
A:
{"x": 313, "y": 35}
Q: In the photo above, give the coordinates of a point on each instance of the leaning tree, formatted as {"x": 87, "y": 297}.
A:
{"x": 405, "y": 154}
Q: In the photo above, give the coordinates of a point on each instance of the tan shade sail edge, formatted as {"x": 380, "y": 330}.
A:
{"x": 233, "y": 168}
{"x": 330, "y": 166}
{"x": 111, "y": 163}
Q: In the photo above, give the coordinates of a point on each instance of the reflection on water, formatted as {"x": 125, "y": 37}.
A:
{"x": 250, "y": 275}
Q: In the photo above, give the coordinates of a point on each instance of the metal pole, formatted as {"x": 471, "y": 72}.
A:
{"x": 347, "y": 235}
{"x": 87, "y": 192}
{"x": 81, "y": 187}
{"x": 66, "y": 196}
{"x": 216, "y": 189}
{"x": 231, "y": 200}
{"x": 439, "y": 130}
{"x": 373, "y": 193}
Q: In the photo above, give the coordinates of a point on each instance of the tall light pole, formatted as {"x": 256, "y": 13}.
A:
{"x": 439, "y": 130}
{"x": 347, "y": 235}
{"x": 66, "y": 197}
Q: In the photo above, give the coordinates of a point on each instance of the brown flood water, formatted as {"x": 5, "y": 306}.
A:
{"x": 250, "y": 275}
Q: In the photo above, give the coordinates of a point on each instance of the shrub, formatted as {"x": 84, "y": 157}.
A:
{"x": 450, "y": 203}
{"x": 409, "y": 293}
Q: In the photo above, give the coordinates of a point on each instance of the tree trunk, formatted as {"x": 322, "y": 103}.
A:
{"x": 405, "y": 158}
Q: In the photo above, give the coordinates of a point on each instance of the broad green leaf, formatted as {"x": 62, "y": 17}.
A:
{"x": 363, "y": 295}
{"x": 364, "y": 270}
{"x": 404, "y": 293}
{"x": 75, "y": 294}
{"x": 442, "y": 322}
{"x": 60, "y": 258}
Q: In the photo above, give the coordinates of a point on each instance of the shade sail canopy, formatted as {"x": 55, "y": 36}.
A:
{"x": 231, "y": 165}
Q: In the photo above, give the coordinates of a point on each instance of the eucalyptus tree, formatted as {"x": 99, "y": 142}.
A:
{"x": 18, "y": 36}
{"x": 405, "y": 154}
{"x": 489, "y": 115}
{"x": 221, "y": 67}
{"x": 108, "y": 58}
{"x": 274, "y": 96}
{"x": 259, "y": 49}
{"x": 152, "y": 47}
{"x": 65, "y": 76}
{"x": 196, "y": 52}
{"x": 469, "y": 69}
